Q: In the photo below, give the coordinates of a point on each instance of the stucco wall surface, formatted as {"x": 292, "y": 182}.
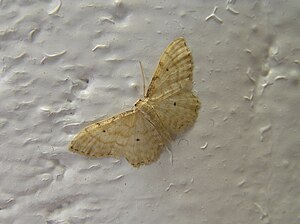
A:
{"x": 65, "y": 64}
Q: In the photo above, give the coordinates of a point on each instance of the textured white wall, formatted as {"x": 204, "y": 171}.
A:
{"x": 66, "y": 63}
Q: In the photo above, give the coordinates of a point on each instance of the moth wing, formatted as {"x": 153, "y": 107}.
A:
{"x": 170, "y": 91}
{"x": 178, "y": 111}
{"x": 174, "y": 71}
{"x": 128, "y": 134}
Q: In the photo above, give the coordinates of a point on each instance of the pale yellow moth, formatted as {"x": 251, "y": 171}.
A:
{"x": 168, "y": 108}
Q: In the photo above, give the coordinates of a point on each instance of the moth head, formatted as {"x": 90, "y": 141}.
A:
{"x": 140, "y": 103}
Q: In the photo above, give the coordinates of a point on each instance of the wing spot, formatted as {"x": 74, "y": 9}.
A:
{"x": 137, "y": 139}
{"x": 103, "y": 131}
{"x": 174, "y": 103}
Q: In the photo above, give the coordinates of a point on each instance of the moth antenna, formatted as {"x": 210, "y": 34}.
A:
{"x": 171, "y": 154}
{"x": 143, "y": 76}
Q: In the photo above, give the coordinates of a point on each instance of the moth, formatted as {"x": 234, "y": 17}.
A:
{"x": 169, "y": 107}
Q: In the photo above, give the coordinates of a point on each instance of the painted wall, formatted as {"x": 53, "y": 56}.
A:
{"x": 65, "y": 64}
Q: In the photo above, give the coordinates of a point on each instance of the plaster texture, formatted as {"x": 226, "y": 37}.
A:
{"x": 65, "y": 64}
